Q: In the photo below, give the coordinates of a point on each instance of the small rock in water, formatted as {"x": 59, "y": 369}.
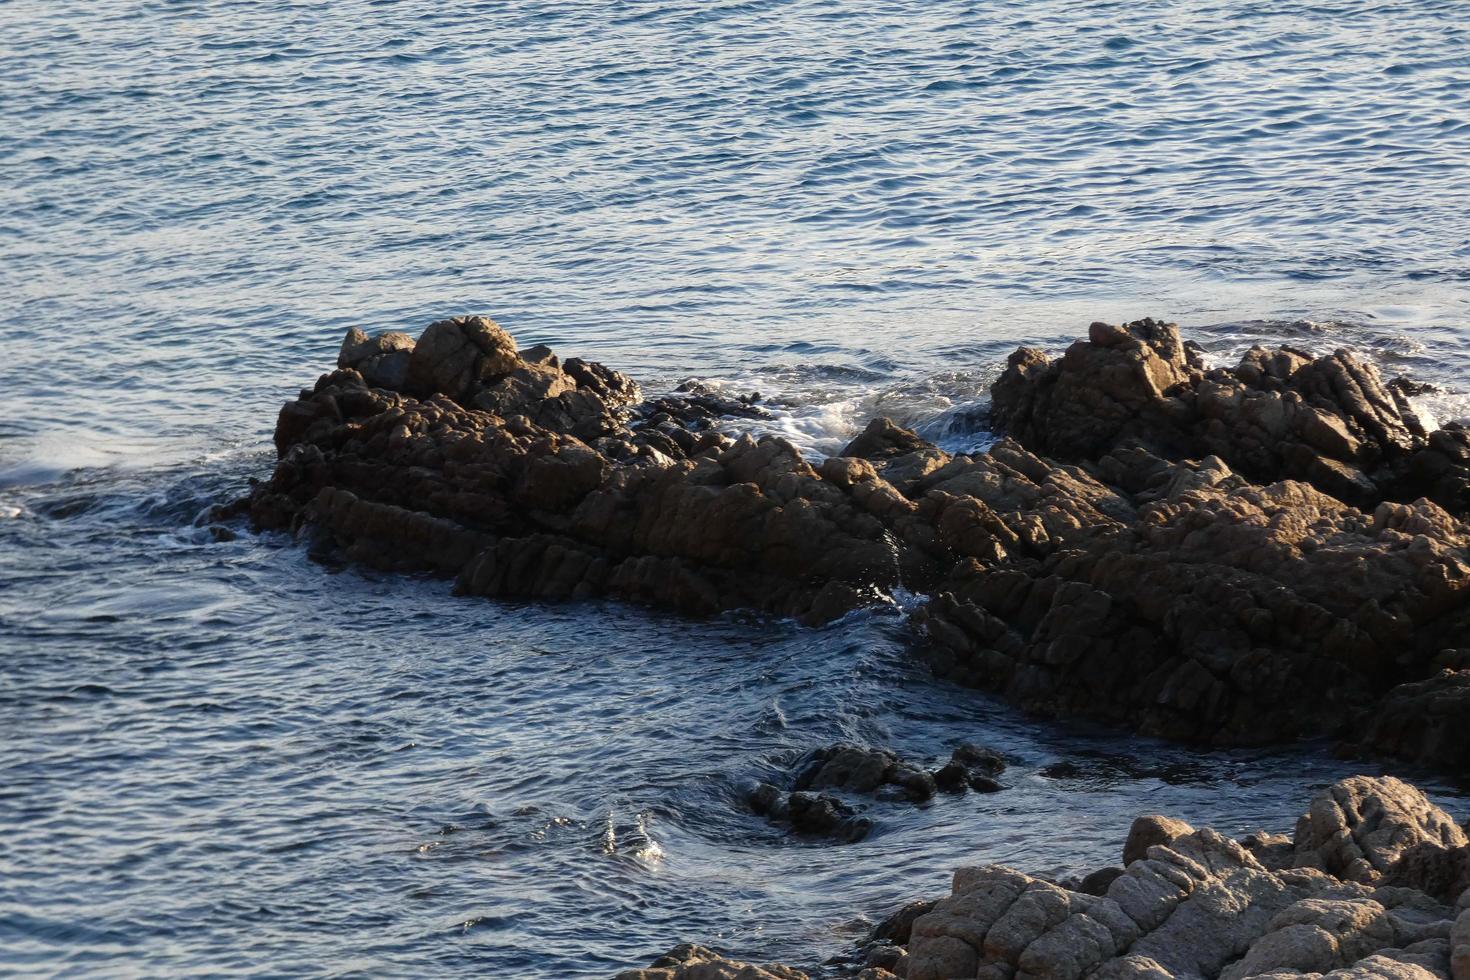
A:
{"x": 815, "y": 814}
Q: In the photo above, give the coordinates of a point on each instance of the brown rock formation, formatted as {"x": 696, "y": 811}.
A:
{"x": 1229, "y": 556}
{"x": 523, "y": 477}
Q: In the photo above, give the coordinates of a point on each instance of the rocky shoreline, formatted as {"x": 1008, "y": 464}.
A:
{"x": 1375, "y": 883}
{"x": 1217, "y": 555}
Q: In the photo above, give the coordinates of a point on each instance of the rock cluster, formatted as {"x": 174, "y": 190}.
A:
{"x": 1173, "y": 548}
{"x": 1352, "y": 895}
{"x": 854, "y": 769}
{"x": 1343, "y": 898}
{"x": 1329, "y": 421}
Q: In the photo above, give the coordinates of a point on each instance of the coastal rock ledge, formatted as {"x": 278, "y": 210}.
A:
{"x": 1375, "y": 883}
{"x": 1228, "y": 555}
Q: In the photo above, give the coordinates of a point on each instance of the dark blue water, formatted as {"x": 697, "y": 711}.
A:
{"x": 219, "y": 756}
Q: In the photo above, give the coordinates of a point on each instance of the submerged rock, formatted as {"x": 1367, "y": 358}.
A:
{"x": 812, "y": 814}
{"x": 878, "y": 773}
{"x": 1182, "y": 550}
{"x": 857, "y": 770}
{"x": 863, "y": 770}
{"x": 693, "y": 962}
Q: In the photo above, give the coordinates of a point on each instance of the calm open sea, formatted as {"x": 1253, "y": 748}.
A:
{"x": 219, "y": 757}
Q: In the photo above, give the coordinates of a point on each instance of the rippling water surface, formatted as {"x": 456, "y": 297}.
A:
{"x": 220, "y": 756}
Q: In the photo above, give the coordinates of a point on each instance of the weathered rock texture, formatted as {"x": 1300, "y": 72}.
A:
{"x": 1229, "y": 556}
{"x": 1339, "y": 900}
{"x": 525, "y": 475}
{"x": 1236, "y": 555}
{"x": 1345, "y": 898}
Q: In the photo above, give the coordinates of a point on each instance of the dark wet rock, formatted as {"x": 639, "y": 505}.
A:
{"x": 882, "y": 440}
{"x": 883, "y": 954}
{"x": 862, "y": 771}
{"x": 1411, "y": 388}
{"x": 900, "y": 456}
{"x": 696, "y": 411}
{"x": 813, "y": 814}
{"x": 855, "y": 769}
{"x": 897, "y": 927}
{"x": 1098, "y": 882}
{"x": 884, "y": 957}
{"x": 971, "y": 766}
{"x": 979, "y": 759}
{"x": 825, "y": 815}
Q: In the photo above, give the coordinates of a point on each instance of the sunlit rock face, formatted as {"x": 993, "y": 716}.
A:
{"x": 1234, "y": 556}
{"x": 1356, "y": 893}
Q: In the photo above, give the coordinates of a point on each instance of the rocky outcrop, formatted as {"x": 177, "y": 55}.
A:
{"x": 1179, "y": 549}
{"x": 525, "y": 475}
{"x": 1338, "y": 900}
{"x": 1196, "y": 904}
{"x": 1282, "y": 413}
{"x": 1361, "y": 829}
{"x": 1199, "y": 607}
{"x": 1427, "y": 721}
{"x": 1198, "y": 546}
{"x": 1334, "y": 901}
